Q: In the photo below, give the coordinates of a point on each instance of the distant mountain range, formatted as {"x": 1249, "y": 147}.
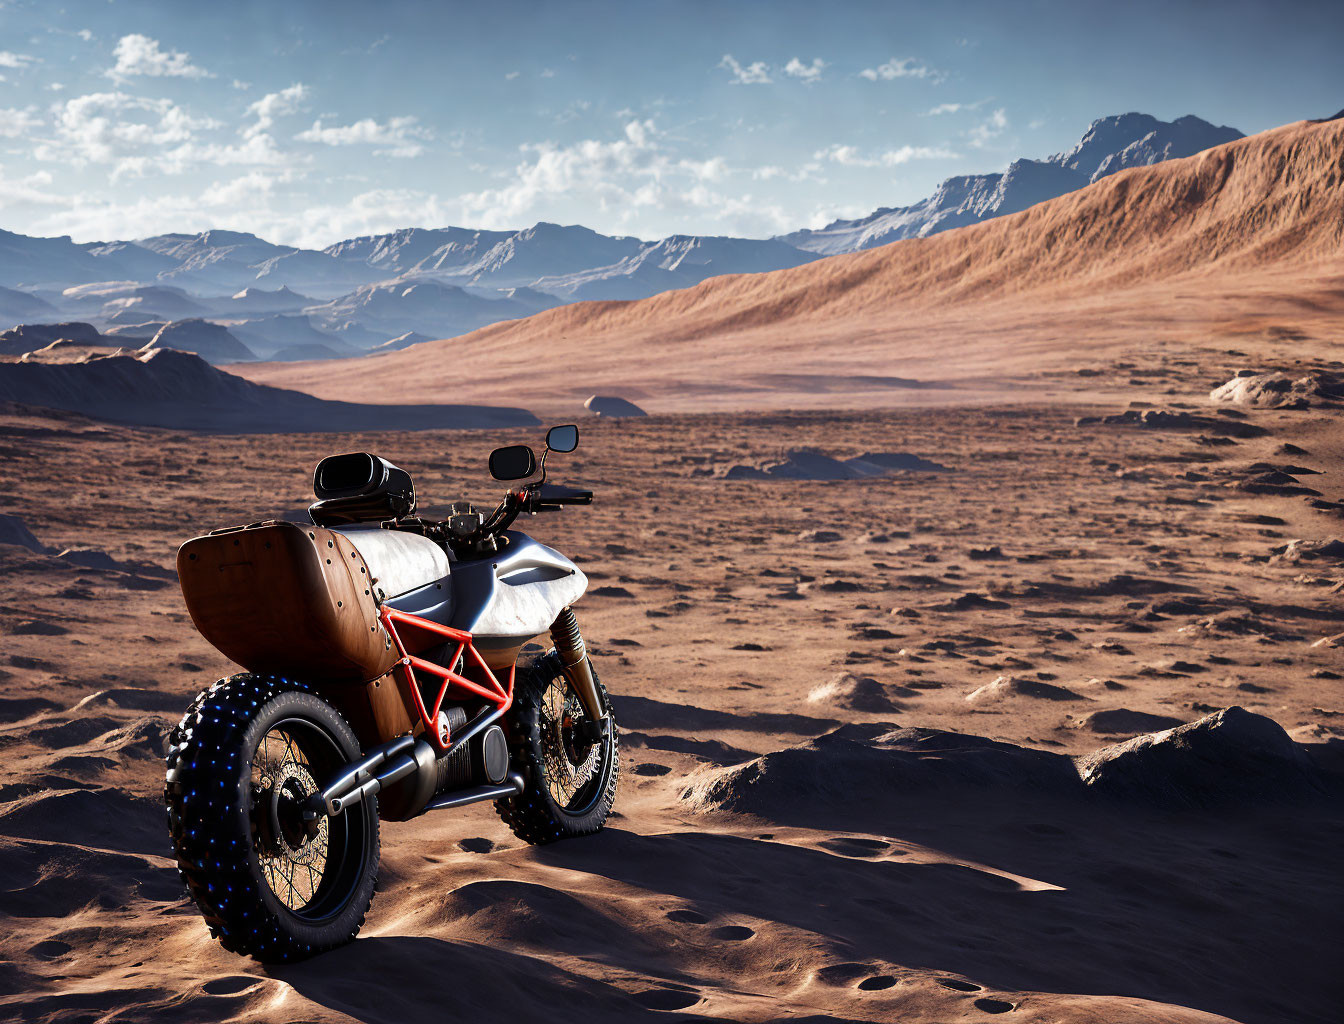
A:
{"x": 1110, "y": 144}
{"x": 282, "y": 302}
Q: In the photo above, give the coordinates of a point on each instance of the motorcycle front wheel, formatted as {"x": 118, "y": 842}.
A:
{"x": 570, "y": 779}
{"x": 241, "y": 763}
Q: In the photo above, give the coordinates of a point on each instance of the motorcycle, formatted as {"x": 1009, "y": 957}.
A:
{"x": 385, "y": 677}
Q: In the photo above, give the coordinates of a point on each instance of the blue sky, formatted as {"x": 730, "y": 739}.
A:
{"x": 309, "y": 122}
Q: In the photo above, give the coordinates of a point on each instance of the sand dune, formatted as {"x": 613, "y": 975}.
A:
{"x": 1243, "y": 239}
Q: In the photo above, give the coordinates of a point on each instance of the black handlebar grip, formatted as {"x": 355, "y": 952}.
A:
{"x": 553, "y": 494}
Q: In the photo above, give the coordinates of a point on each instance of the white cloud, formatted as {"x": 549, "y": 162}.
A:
{"x": 904, "y": 67}
{"x": 15, "y": 122}
{"x": 104, "y": 127}
{"x": 903, "y": 155}
{"x": 634, "y": 179}
{"x": 140, "y": 55}
{"x": 16, "y": 61}
{"x": 137, "y": 135}
{"x": 400, "y": 133}
{"x": 852, "y": 156}
{"x": 756, "y": 73}
{"x": 28, "y": 191}
{"x": 547, "y": 73}
{"x": 809, "y": 73}
{"x": 989, "y": 129}
{"x": 85, "y": 34}
{"x": 846, "y": 156}
{"x": 248, "y": 189}
{"x": 239, "y": 84}
{"x": 945, "y": 108}
{"x": 510, "y": 76}
{"x": 273, "y": 105}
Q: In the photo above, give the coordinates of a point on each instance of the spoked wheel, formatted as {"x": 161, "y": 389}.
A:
{"x": 242, "y": 763}
{"x": 300, "y": 861}
{"x": 571, "y": 778}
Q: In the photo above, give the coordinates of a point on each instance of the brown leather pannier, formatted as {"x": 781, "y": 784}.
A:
{"x": 286, "y": 599}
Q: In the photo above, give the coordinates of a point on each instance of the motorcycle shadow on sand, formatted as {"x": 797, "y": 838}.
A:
{"x": 1041, "y": 897}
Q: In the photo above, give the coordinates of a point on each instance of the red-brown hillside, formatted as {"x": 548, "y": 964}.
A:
{"x": 1243, "y": 238}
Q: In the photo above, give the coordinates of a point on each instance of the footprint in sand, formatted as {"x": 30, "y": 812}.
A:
{"x": 666, "y": 999}
{"x": 686, "y": 917}
{"x": 476, "y": 844}
{"x": 651, "y": 770}
{"x": 853, "y": 846}
{"x": 993, "y": 1005}
{"x": 733, "y": 933}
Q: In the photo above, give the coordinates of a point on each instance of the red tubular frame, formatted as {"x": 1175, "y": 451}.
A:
{"x": 405, "y": 669}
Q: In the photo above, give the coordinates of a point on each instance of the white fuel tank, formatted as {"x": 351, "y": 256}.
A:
{"x": 399, "y": 561}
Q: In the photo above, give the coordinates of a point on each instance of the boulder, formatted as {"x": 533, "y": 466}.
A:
{"x": 1280, "y": 391}
{"x": 1231, "y": 756}
{"x": 1124, "y": 722}
{"x": 612, "y": 407}
{"x": 857, "y": 693}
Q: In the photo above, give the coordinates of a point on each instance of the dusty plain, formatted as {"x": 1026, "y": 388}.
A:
{"x": 1071, "y": 569}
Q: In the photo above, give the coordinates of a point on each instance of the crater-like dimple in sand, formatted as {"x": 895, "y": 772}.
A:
{"x": 957, "y": 985}
{"x": 666, "y": 999}
{"x": 687, "y": 917}
{"x": 855, "y": 846}
{"x": 733, "y": 933}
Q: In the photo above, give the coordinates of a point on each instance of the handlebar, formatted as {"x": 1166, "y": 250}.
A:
{"x": 554, "y": 494}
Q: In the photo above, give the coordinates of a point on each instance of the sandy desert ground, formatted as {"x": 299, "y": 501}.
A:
{"x": 1057, "y": 589}
{"x": 876, "y": 732}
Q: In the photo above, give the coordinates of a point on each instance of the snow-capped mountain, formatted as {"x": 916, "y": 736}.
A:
{"x": 363, "y": 292}
{"x": 1110, "y": 144}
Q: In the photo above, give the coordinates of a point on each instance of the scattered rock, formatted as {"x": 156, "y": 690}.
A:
{"x": 1005, "y": 687}
{"x": 14, "y": 530}
{"x": 1230, "y": 756}
{"x": 1298, "y": 551}
{"x": 857, "y": 693}
{"x": 1124, "y": 722}
{"x": 1280, "y": 391}
{"x": 810, "y": 464}
{"x": 1160, "y": 419}
{"x": 820, "y": 536}
{"x": 612, "y": 407}
{"x": 966, "y": 602}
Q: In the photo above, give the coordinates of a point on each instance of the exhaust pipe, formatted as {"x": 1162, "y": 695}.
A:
{"x": 574, "y": 660}
{"x": 390, "y": 763}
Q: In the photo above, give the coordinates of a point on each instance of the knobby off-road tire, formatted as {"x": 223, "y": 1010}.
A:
{"x": 246, "y": 753}
{"x": 546, "y": 812}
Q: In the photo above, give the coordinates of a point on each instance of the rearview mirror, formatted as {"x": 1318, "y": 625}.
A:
{"x": 563, "y": 439}
{"x": 513, "y": 462}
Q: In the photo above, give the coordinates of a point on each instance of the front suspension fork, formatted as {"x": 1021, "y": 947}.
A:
{"x": 574, "y": 660}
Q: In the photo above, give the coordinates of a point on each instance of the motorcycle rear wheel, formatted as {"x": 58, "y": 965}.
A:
{"x": 242, "y": 761}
